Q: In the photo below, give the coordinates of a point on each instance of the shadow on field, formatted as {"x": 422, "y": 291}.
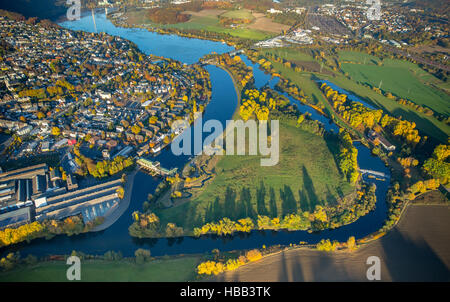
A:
{"x": 310, "y": 268}
{"x": 308, "y": 185}
{"x": 409, "y": 260}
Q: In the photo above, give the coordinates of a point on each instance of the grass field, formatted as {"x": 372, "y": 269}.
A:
{"x": 211, "y": 23}
{"x": 239, "y": 14}
{"x": 304, "y": 80}
{"x": 358, "y": 58}
{"x": 207, "y": 20}
{"x": 401, "y": 78}
{"x": 306, "y": 164}
{"x": 429, "y": 125}
{"x": 171, "y": 270}
{"x": 290, "y": 54}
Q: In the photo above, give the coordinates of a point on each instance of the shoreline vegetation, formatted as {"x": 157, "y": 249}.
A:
{"x": 149, "y": 225}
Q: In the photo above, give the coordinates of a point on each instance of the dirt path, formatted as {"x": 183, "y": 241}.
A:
{"x": 417, "y": 249}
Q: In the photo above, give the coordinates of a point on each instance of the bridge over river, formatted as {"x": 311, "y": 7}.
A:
{"x": 155, "y": 167}
{"x": 375, "y": 173}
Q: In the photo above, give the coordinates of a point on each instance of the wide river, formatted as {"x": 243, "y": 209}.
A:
{"x": 221, "y": 107}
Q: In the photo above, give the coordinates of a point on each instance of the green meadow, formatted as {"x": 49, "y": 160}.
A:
{"x": 403, "y": 79}
{"x": 357, "y": 57}
{"x": 429, "y": 125}
{"x": 306, "y": 166}
{"x": 305, "y": 80}
{"x": 170, "y": 270}
{"x": 239, "y": 14}
{"x": 211, "y": 23}
{"x": 290, "y": 54}
{"x": 203, "y": 22}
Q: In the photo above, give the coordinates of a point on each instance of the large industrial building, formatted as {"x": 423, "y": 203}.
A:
{"x": 38, "y": 193}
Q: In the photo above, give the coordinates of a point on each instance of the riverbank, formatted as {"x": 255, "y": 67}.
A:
{"x": 166, "y": 198}
{"x": 409, "y": 252}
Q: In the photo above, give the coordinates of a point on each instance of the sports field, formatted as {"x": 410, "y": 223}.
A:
{"x": 306, "y": 166}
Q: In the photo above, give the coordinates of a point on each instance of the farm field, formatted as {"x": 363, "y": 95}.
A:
{"x": 291, "y": 54}
{"x": 171, "y": 270}
{"x": 306, "y": 81}
{"x": 266, "y": 24}
{"x": 403, "y": 79}
{"x": 306, "y": 166}
{"x": 211, "y": 23}
{"x": 260, "y": 28}
{"x": 429, "y": 125}
{"x": 409, "y": 252}
{"x": 238, "y": 14}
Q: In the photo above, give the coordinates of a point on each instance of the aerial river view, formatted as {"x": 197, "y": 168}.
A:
{"x": 222, "y": 106}
{"x": 226, "y": 141}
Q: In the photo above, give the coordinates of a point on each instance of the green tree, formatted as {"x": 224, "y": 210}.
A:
{"x": 142, "y": 255}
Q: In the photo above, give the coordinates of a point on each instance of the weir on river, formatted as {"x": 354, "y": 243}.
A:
{"x": 221, "y": 107}
{"x": 375, "y": 173}
{"x": 155, "y": 167}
